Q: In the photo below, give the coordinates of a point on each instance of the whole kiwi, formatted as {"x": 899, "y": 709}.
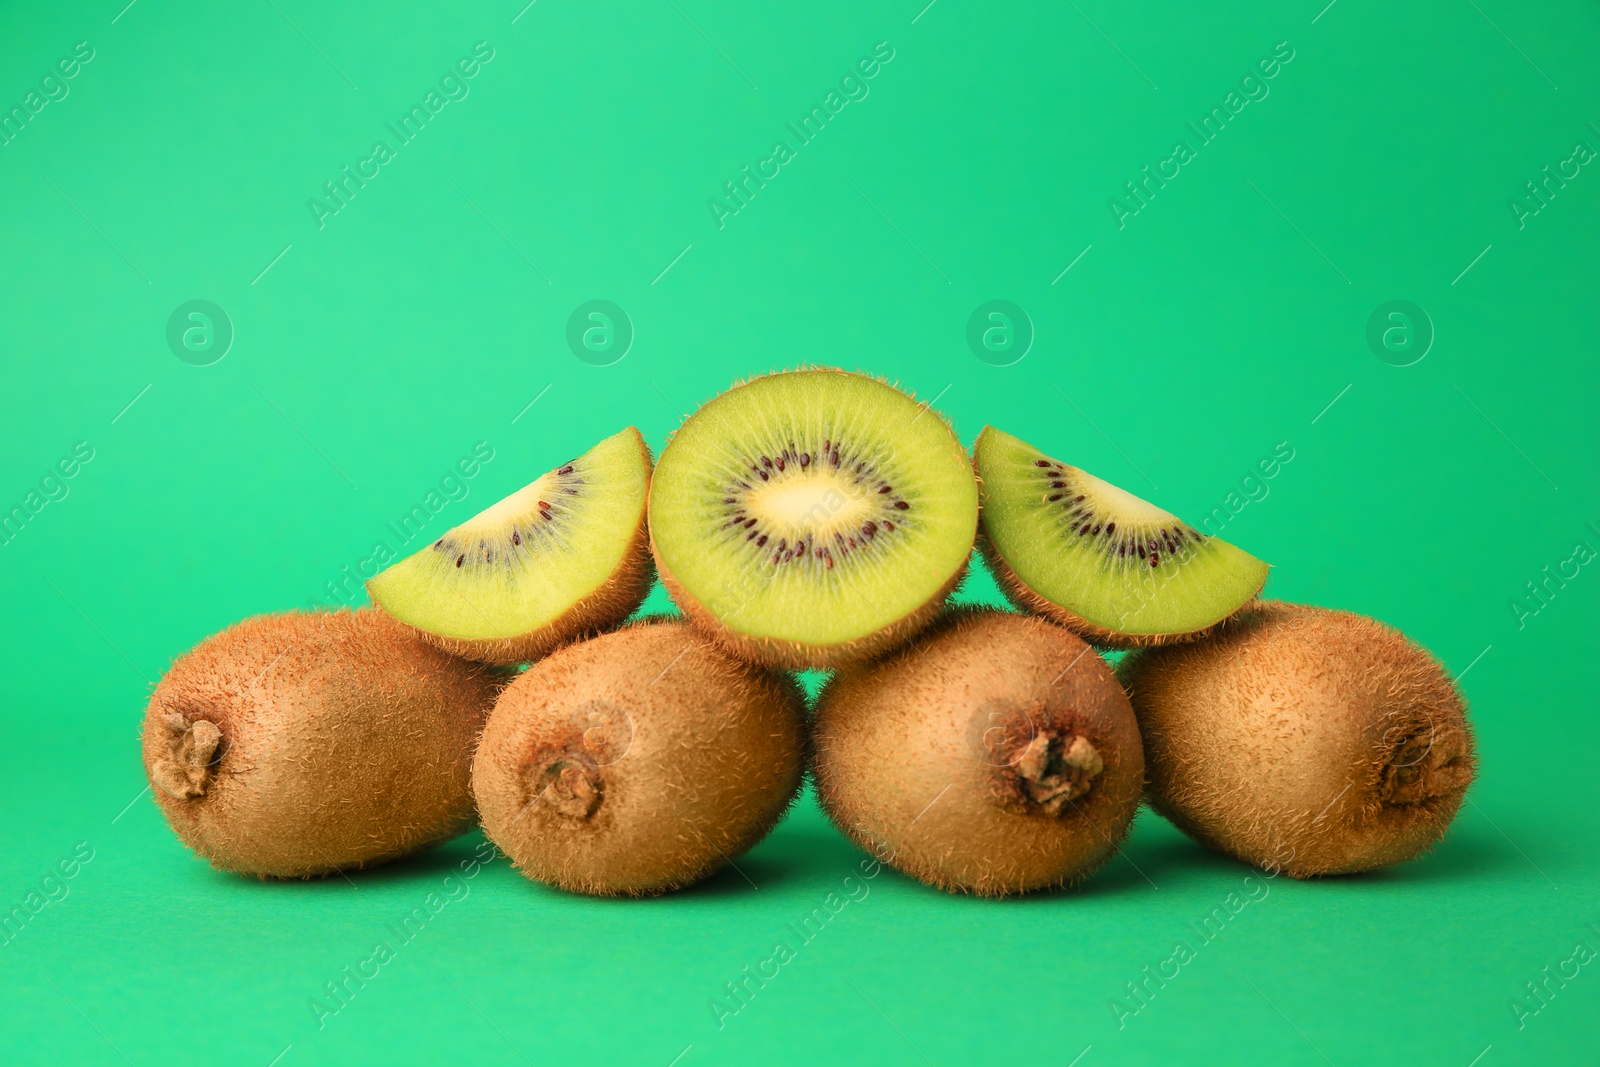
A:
{"x": 995, "y": 755}
{"x": 302, "y": 744}
{"x": 638, "y": 762}
{"x": 1303, "y": 739}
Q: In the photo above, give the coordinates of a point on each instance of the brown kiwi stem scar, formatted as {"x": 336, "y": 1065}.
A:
{"x": 191, "y": 754}
{"x": 569, "y": 785}
{"x": 1420, "y": 768}
{"x": 1049, "y": 770}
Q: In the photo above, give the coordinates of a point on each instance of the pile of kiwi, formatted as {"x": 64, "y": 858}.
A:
{"x": 810, "y": 519}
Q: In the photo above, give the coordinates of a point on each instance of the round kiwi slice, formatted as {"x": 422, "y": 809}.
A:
{"x": 1098, "y": 559}
{"x": 563, "y": 556}
{"x": 1303, "y": 739}
{"x": 812, "y": 517}
{"x": 297, "y": 745}
{"x": 638, "y": 762}
{"x": 995, "y": 755}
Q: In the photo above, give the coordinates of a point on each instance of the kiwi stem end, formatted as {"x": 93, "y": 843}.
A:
{"x": 192, "y": 748}
{"x": 1050, "y": 770}
{"x": 571, "y": 787}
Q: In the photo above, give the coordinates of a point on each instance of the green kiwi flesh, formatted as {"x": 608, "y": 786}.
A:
{"x": 298, "y": 745}
{"x": 812, "y": 517}
{"x": 565, "y": 555}
{"x": 638, "y": 762}
{"x": 1303, "y": 739}
{"x": 1098, "y": 559}
{"x": 995, "y": 755}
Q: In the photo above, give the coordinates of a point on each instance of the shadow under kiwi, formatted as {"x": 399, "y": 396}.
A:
{"x": 794, "y": 852}
{"x": 1465, "y": 854}
{"x": 1460, "y": 857}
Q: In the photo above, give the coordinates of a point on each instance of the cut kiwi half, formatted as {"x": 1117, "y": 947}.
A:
{"x": 564, "y": 556}
{"x": 813, "y": 517}
{"x": 1096, "y": 558}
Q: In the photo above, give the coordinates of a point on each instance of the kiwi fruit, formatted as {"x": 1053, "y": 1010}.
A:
{"x": 811, "y": 518}
{"x": 994, "y": 756}
{"x": 303, "y": 744}
{"x": 564, "y": 556}
{"x": 638, "y": 762}
{"x": 1303, "y": 739}
{"x": 1099, "y": 560}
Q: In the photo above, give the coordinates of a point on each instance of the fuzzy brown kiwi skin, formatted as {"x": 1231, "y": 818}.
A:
{"x": 1303, "y": 739}
{"x": 304, "y": 744}
{"x": 799, "y": 655}
{"x": 1025, "y": 599}
{"x": 605, "y": 608}
{"x": 712, "y": 755}
{"x": 901, "y": 769}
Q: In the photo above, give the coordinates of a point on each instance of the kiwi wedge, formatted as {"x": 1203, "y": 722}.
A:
{"x": 638, "y": 762}
{"x": 1115, "y": 568}
{"x": 995, "y": 755}
{"x": 1303, "y": 739}
{"x": 811, "y": 518}
{"x": 565, "y": 555}
{"x": 298, "y": 745}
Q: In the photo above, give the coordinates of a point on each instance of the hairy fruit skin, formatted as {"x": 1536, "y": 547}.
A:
{"x": 1303, "y": 739}
{"x": 302, "y": 744}
{"x": 994, "y": 756}
{"x": 638, "y": 762}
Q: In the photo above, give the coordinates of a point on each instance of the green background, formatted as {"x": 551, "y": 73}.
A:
{"x": 372, "y": 353}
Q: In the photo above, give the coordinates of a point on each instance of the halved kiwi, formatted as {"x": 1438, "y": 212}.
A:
{"x": 1301, "y": 738}
{"x": 1098, "y": 559}
{"x": 563, "y": 556}
{"x": 297, "y": 745}
{"x": 812, "y": 517}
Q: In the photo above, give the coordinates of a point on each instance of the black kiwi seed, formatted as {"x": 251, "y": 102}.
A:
{"x": 1080, "y": 518}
